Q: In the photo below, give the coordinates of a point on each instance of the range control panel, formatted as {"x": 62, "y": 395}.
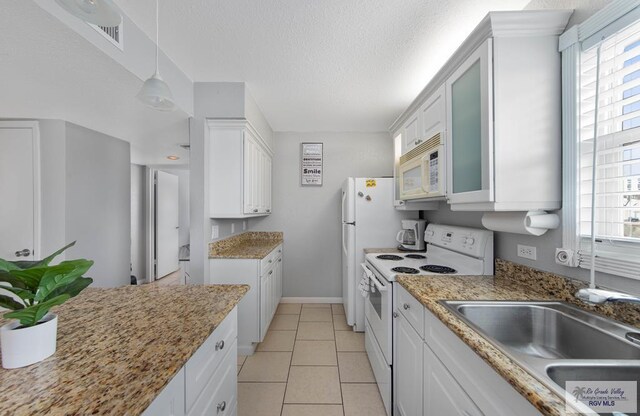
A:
{"x": 470, "y": 241}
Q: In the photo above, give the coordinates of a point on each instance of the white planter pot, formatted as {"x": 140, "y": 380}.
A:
{"x": 25, "y": 346}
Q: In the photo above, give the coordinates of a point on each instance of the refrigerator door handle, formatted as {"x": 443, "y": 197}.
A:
{"x": 344, "y": 197}
{"x": 344, "y": 235}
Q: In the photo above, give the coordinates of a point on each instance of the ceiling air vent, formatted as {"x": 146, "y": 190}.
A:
{"x": 112, "y": 34}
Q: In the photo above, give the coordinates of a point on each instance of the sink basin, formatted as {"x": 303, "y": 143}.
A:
{"x": 554, "y": 341}
{"x": 561, "y": 373}
{"x": 547, "y": 330}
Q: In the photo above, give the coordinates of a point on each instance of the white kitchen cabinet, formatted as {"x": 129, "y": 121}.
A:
{"x": 240, "y": 166}
{"x": 502, "y": 118}
{"x": 258, "y": 306}
{"x": 432, "y": 115}
{"x": 435, "y": 373}
{"x": 442, "y": 394}
{"x": 504, "y": 127}
{"x": 407, "y": 368}
{"x": 207, "y": 383}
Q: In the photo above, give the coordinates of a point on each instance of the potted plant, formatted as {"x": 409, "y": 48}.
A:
{"x": 35, "y": 287}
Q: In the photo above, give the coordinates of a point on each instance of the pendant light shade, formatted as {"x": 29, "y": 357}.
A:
{"x": 155, "y": 92}
{"x": 98, "y": 12}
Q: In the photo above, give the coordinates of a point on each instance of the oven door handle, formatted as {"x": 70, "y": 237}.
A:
{"x": 374, "y": 279}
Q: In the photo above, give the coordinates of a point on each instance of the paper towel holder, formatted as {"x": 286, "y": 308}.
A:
{"x": 535, "y": 222}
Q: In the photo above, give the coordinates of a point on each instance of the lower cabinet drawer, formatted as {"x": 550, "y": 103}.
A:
{"x": 206, "y": 360}
{"x": 411, "y": 308}
{"x": 220, "y": 394}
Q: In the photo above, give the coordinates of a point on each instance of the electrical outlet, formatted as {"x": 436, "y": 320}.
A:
{"x": 527, "y": 252}
{"x": 233, "y": 227}
{"x": 215, "y": 232}
{"x": 244, "y": 225}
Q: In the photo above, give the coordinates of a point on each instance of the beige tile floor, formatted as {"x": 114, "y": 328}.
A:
{"x": 310, "y": 364}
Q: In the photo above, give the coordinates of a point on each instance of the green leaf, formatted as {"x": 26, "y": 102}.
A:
{"x": 31, "y": 315}
{"x": 72, "y": 289}
{"x": 47, "y": 260}
{"x": 30, "y": 278}
{"x": 61, "y": 275}
{"x": 22, "y": 293}
{"x": 10, "y": 303}
{"x": 28, "y": 264}
{"x": 12, "y": 280}
{"x": 7, "y": 266}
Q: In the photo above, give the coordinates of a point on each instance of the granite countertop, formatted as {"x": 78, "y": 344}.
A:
{"x": 511, "y": 282}
{"x": 117, "y": 349}
{"x": 249, "y": 245}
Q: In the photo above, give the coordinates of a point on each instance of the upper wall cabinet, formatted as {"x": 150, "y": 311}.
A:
{"x": 425, "y": 122}
{"x": 502, "y": 114}
{"x": 239, "y": 166}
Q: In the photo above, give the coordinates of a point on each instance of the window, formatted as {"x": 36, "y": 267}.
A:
{"x": 615, "y": 32}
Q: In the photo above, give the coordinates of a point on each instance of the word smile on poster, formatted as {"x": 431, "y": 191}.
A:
{"x": 311, "y": 164}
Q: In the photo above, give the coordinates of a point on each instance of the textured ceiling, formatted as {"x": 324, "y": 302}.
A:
{"x": 48, "y": 71}
{"x": 316, "y": 65}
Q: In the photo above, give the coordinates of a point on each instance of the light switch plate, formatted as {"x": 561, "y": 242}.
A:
{"x": 527, "y": 252}
{"x": 215, "y": 232}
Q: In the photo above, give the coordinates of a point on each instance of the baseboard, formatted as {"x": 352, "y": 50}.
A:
{"x": 247, "y": 349}
{"x": 310, "y": 300}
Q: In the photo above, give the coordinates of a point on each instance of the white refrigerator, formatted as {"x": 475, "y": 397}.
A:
{"x": 369, "y": 220}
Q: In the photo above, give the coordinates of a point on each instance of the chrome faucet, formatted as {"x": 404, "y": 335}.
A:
{"x": 600, "y": 296}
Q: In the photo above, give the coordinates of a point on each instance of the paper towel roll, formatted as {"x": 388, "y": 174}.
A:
{"x": 531, "y": 223}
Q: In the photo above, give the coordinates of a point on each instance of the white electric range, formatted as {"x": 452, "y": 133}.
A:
{"x": 450, "y": 250}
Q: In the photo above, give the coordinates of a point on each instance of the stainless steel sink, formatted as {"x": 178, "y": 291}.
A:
{"x": 555, "y": 341}
{"x": 561, "y": 373}
{"x": 549, "y": 330}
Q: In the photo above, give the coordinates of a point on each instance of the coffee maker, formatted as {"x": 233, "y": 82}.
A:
{"x": 411, "y": 237}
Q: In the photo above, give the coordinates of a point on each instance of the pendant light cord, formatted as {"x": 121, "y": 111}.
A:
{"x": 157, "y": 34}
{"x": 594, "y": 173}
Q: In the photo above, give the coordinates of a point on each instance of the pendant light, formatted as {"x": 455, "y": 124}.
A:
{"x": 155, "y": 93}
{"x": 99, "y": 12}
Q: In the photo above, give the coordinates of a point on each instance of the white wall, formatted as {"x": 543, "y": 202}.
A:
{"x": 138, "y": 222}
{"x": 98, "y": 205}
{"x": 310, "y": 216}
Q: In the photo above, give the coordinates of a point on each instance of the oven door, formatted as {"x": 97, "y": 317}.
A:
{"x": 378, "y": 311}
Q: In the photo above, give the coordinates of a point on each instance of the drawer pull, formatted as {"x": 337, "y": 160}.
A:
{"x": 270, "y": 261}
{"x": 221, "y": 406}
{"x": 271, "y": 272}
{"x": 219, "y": 345}
{"x": 279, "y": 260}
{"x": 406, "y": 306}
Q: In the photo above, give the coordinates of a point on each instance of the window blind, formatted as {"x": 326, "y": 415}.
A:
{"x": 617, "y": 199}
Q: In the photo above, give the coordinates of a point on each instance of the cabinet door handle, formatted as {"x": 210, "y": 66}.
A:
{"x": 395, "y": 314}
{"x": 221, "y": 406}
{"x": 255, "y": 210}
{"x": 279, "y": 260}
{"x": 219, "y": 346}
{"x": 406, "y": 306}
{"x": 271, "y": 272}
{"x": 270, "y": 261}
{"x": 268, "y": 210}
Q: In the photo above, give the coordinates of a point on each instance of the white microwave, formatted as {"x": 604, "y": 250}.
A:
{"x": 421, "y": 170}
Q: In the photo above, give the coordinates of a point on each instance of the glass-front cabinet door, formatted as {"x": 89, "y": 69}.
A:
{"x": 470, "y": 129}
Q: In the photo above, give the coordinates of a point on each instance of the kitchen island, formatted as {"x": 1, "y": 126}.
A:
{"x": 119, "y": 348}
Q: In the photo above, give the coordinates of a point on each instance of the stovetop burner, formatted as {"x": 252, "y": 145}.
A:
{"x": 389, "y": 257}
{"x": 405, "y": 270}
{"x": 435, "y": 268}
{"x": 415, "y": 256}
